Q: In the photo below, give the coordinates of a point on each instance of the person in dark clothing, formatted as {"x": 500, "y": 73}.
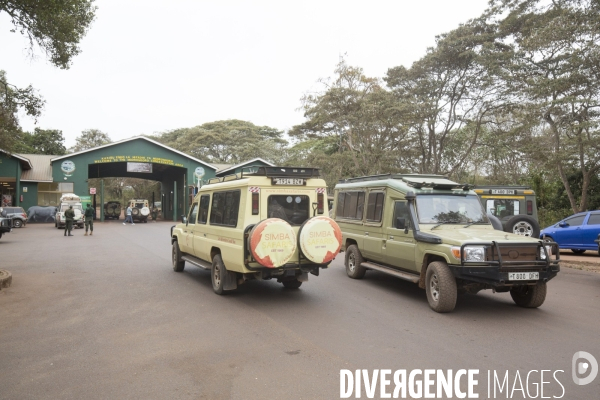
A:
{"x": 69, "y": 217}
{"x": 89, "y": 220}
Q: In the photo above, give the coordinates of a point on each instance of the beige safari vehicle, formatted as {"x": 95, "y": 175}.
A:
{"x": 267, "y": 223}
{"x": 139, "y": 210}
{"x": 434, "y": 232}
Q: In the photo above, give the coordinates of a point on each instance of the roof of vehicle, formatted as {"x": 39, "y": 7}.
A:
{"x": 417, "y": 183}
{"x": 256, "y": 175}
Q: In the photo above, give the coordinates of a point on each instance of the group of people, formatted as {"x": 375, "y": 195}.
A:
{"x": 89, "y": 220}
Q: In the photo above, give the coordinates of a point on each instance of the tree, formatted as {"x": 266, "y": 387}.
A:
{"x": 554, "y": 69}
{"x": 48, "y": 141}
{"x": 89, "y": 139}
{"x": 56, "y": 26}
{"x": 227, "y": 142}
{"x": 13, "y": 100}
{"x": 353, "y": 121}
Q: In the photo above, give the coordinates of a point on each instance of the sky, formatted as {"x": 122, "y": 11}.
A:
{"x": 149, "y": 66}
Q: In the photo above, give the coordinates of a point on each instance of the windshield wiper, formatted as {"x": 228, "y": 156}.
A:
{"x": 475, "y": 222}
{"x": 445, "y": 222}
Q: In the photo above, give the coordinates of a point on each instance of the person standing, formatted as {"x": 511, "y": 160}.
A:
{"x": 89, "y": 220}
{"x": 128, "y": 216}
{"x": 69, "y": 217}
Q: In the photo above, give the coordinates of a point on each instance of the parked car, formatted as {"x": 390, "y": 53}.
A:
{"x": 579, "y": 232}
{"x": 139, "y": 210}
{"x": 18, "y": 215}
{"x": 514, "y": 206}
{"x": 112, "y": 209}
{"x": 5, "y": 223}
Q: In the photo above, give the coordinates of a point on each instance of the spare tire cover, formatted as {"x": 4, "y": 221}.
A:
{"x": 320, "y": 239}
{"x": 78, "y": 213}
{"x": 272, "y": 242}
{"x": 145, "y": 211}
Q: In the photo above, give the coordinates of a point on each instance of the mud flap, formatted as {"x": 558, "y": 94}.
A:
{"x": 303, "y": 277}
{"x": 230, "y": 282}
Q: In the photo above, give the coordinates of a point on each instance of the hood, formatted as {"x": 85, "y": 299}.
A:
{"x": 458, "y": 234}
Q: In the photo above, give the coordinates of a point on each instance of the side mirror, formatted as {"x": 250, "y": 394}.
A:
{"x": 400, "y": 223}
{"x": 563, "y": 224}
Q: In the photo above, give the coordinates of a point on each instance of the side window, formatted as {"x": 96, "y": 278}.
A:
{"x": 225, "y": 207}
{"x": 375, "y": 206}
{"x": 193, "y": 214}
{"x": 204, "y": 203}
{"x": 575, "y": 221}
{"x": 401, "y": 211}
{"x": 594, "y": 219}
{"x": 351, "y": 205}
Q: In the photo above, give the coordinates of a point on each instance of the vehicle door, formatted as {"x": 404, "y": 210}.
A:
{"x": 374, "y": 237}
{"x": 201, "y": 249}
{"x": 400, "y": 245}
{"x": 568, "y": 232}
{"x": 187, "y": 244}
{"x": 590, "y": 231}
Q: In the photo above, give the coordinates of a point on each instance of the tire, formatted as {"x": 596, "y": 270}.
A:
{"x": 135, "y": 211}
{"x": 440, "y": 286}
{"x": 529, "y": 296}
{"x": 291, "y": 283}
{"x": 353, "y": 260}
{"x": 17, "y": 223}
{"x": 578, "y": 251}
{"x": 549, "y": 239}
{"x": 523, "y": 225}
{"x": 5, "y": 276}
{"x": 178, "y": 263}
{"x": 217, "y": 275}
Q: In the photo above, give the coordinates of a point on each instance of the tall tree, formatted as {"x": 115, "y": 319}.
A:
{"x": 57, "y": 27}
{"x": 354, "y": 118}
{"x": 227, "y": 142}
{"x": 89, "y": 139}
{"x": 554, "y": 68}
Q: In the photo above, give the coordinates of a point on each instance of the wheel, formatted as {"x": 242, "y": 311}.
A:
{"x": 17, "y": 223}
{"x": 5, "y": 276}
{"x": 217, "y": 274}
{"x": 529, "y": 296}
{"x": 440, "y": 286}
{"x": 178, "y": 263}
{"x": 353, "y": 260}
{"x": 549, "y": 239}
{"x": 578, "y": 251}
{"x": 523, "y": 225}
{"x": 291, "y": 283}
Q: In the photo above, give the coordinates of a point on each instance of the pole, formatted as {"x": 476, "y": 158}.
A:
{"x": 175, "y": 201}
{"x": 102, "y": 200}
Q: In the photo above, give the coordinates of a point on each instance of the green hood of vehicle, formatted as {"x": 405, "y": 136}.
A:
{"x": 458, "y": 234}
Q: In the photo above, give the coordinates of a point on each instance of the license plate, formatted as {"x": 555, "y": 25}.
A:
{"x": 288, "y": 181}
{"x": 503, "y": 191}
{"x": 523, "y": 276}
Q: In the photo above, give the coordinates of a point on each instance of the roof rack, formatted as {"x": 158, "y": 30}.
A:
{"x": 270, "y": 172}
{"x": 418, "y": 181}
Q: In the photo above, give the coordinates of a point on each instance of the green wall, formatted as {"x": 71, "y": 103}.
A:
{"x": 31, "y": 197}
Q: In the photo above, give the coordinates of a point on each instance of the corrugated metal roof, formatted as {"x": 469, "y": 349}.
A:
{"x": 41, "y": 170}
{"x": 222, "y": 166}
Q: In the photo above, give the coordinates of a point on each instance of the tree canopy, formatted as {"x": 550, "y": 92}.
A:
{"x": 89, "y": 139}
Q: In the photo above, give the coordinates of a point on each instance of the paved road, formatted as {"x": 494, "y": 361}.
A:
{"x": 105, "y": 317}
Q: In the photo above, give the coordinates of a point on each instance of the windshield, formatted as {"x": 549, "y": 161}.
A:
{"x": 435, "y": 209}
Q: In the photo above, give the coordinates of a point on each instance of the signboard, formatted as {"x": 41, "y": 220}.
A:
{"x": 145, "y": 168}
{"x": 92, "y": 190}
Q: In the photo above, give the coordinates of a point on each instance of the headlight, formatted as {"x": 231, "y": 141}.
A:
{"x": 543, "y": 254}
{"x": 474, "y": 254}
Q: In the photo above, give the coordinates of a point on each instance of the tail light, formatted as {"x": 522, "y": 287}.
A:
{"x": 254, "y": 203}
{"x": 320, "y": 203}
{"x": 529, "y": 207}
{"x": 24, "y": 215}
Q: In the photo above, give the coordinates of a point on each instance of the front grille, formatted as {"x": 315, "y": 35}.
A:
{"x": 514, "y": 257}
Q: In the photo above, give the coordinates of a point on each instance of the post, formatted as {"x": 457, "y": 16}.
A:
{"x": 101, "y": 200}
{"x": 175, "y": 201}
{"x": 185, "y": 195}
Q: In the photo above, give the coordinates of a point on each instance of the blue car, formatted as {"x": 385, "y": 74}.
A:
{"x": 579, "y": 232}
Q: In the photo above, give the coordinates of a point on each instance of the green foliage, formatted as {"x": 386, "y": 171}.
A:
{"x": 47, "y": 141}
{"x": 56, "y": 26}
{"x": 12, "y": 101}
{"x": 89, "y": 139}
{"x": 227, "y": 142}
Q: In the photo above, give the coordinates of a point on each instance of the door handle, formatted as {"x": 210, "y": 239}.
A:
{"x": 391, "y": 238}
{"x": 366, "y": 233}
